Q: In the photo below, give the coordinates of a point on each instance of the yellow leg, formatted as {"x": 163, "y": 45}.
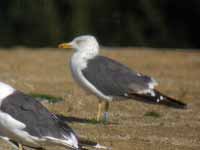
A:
{"x": 106, "y": 114}
{"x": 20, "y": 147}
{"x": 99, "y": 110}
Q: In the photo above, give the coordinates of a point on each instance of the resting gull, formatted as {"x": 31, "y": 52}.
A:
{"x": 24, "y": 121}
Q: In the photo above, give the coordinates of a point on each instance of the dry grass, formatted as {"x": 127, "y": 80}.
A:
{"x": 178, "y": 73}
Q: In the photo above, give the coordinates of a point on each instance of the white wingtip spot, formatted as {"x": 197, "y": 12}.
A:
{"x": 161, "y": 97}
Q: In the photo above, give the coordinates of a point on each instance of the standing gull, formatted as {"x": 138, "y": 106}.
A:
{"x": 109, "y": 79}
{"x": 26, "y": 121}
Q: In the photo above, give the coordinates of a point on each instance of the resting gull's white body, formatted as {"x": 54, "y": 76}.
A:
{"x": 25, "y": 121}
{"x": 14, "y": 129}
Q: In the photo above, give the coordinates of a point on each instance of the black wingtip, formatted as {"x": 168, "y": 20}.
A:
{"x": 171, "y": 102}
{"x": 174, "y": 103}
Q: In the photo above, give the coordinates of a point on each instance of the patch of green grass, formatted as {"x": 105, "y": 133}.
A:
{"x": 94, "y": 121}
{"x": 152, "y": 114}
{"x": 42, "y": 97}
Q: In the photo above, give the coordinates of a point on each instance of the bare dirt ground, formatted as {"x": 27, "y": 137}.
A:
{"x": 46, "y": 71}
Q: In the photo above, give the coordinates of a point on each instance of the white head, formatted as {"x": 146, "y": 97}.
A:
{"x": 85, "y": 43}
{"x": 5, "y": 90}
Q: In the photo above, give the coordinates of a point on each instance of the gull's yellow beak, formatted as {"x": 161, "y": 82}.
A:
{"x": 65, "y": 45}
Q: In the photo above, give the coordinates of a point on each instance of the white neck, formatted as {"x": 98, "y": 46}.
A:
{"x": 5, "y": 90}
{"x": 87, "y": 54}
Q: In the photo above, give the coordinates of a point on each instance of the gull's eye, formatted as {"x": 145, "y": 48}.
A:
{"x": 79, "y": 42}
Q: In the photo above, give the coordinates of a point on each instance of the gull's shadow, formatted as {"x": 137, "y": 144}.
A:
{"x": 72, "y": 119}
{"x": 76, "y": 119}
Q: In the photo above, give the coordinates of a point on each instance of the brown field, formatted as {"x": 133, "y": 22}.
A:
{"x": 46, "y": 71}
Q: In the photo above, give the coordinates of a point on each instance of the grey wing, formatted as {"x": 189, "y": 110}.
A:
{"x": 38, "y": 120}
{"x": 115, "y": 79}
